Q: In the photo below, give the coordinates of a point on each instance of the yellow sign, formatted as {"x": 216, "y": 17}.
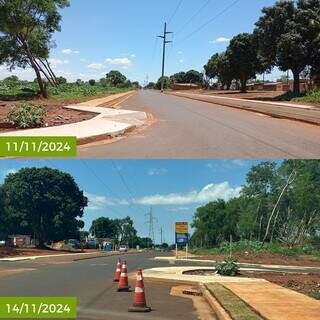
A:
{"x": 182, "y": 227}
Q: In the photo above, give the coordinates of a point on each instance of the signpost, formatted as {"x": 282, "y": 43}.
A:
{"x": 182, "y": 236}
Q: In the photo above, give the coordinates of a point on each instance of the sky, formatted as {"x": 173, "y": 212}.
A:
{"x": 174, "y": 189}
{"x": 101, "y": 35}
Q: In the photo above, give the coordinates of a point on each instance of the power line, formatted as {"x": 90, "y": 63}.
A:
{"x": 211, "y": 20}
{"x": 175, "y": 11}
{"x": 150, "y": 222}
{"x": 194, "y": 16}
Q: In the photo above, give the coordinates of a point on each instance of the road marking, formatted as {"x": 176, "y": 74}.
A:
{"x": 98, "y": 264}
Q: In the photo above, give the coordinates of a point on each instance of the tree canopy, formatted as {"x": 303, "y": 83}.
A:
{"x": 26, "y": 28}
{"x": 44, "y": 203}
{"x": 278, "y": 202}
{"x": 116, "y": 78}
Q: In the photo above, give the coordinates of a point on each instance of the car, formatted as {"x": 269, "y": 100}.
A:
{"x": 123, "y": 248}
{"x": 73, "y": 244}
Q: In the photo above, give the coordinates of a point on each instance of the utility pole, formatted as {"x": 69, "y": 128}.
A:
{"x": 161, "y": 235}
{"x": 150, "y": 222}
{"x": 165, "y": 42}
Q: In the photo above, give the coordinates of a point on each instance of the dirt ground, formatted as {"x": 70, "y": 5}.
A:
{"x": 269, "y": 258}
{"x": 56, "y": 115}
{"x": 26, "y": 252}
{"x": 303, "y": 283}
{"x": 307, "y": 284}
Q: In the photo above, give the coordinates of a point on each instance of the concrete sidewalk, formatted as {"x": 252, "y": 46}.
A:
{"x": 274, "y": 302}
{"x": 305, "y": 113}
{"x": 108, "y": 122}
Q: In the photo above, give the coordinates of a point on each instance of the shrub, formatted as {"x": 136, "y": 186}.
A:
{"x": 92, "y": 82}
{"x": 228, "y": 267}
{"x": 26, "y": 115}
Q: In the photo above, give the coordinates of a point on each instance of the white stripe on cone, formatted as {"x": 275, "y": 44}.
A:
{"x": 139, "y": 290}
{"x": 123, "y": 274}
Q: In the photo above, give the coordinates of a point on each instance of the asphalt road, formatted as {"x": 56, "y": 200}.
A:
{"x": 192, "y": 129}
{"x": 91, "y": 281}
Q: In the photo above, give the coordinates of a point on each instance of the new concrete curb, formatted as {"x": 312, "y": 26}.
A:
{"x": 282, "y": 112}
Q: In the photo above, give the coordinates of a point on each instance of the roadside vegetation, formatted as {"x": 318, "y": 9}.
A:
{"x": 277, "y": 212}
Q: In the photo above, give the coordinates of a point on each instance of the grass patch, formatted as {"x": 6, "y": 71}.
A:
{"x": 236, "y": 308}
{"x": 312, "y": 96}
{"x": 255, "y": 247}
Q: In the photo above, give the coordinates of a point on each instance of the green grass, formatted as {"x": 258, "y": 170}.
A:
{"x": 312, "y": 96}
{"x": 255, "y": 247}
{"x": 23, "y": 90}
{"x": 236, "y": 308}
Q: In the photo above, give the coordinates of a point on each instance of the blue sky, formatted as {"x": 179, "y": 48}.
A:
{"x": 173, "y": 188}
{"x": 100, "y": 35}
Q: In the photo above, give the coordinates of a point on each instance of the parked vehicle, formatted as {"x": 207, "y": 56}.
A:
{"x": 93, "y": 244}
{"x": 73, "y": 244}
{"x": 123, "y": 248}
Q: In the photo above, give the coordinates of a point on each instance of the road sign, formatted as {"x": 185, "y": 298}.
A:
{"x": 182, "y": 238}
{"x": 182, "y": 227}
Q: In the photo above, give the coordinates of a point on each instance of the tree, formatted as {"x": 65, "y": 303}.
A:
{"x": 104, "y": 228}
{"x": 125, "y": 231}
{"x": 281, "y": 38}
{"x": 116, "y": 78}
{"x": 43, "y": 202}
{"x": 151, "y": 85}
{"x": 178, "y": 77}
{"x": 220, "y": 67}
{"x": 3, "y": 224}
{"x": 26, "y": 28}
{"x": 308, "y": 13}
{"x": 243, "y": 55}
{"x": 166, "y": 82}
{"x": 92, "y": 82}
{"x": 193, "y": 76}
{"x": 103, "y": 82}
{"x": 61, "y": 80}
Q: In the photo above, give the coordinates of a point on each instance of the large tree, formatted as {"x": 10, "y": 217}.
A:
{"x": 45, "y": 203}
{"x": 116, "y": 78}
{"x": 243, "y": 55}
{"x": 104, "y": 228}
{"x": 282, "y": 32}
{"x": 26, "y": 28}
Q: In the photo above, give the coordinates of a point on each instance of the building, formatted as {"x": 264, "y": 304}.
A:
{"x": 19, "y": 240}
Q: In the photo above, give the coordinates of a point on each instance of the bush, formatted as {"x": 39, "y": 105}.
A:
{"x": 26, "y": 115}
{"x": 92, "y": 82}
{"x": 227, "y": 267}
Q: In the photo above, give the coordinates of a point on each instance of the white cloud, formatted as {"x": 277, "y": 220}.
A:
{"x": 70, "y": 51}
{"x": 157, "y": 172}
{"x": 209, "y": 193}
{"x": 181, "y": 60}
{"x": 220, "y": 40}
{"x": 56, "y": 62}
{"x": 133, "y": 55}
{"x": 124, "y": 62}
{"x": 98, "y": 202}
{"x": 179, "y": 209}
{"x": 9, "y": 171}
{"x": 96, "y": 66}
{"x": 180, "y": 52}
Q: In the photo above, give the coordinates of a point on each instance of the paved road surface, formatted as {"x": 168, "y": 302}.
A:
{"x": 91, "y": 281}
{"x": 194, "y": 129}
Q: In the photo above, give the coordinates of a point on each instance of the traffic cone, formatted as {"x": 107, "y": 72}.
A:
{"x": 139, "y": 299}
{"x": 118, "y": 272}
{"x": 123, "y": 281}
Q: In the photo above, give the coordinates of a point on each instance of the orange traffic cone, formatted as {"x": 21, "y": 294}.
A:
{"x": 139, "y": 299}
{"x": 123, "y": 281}
{"x": 118, "y": 272}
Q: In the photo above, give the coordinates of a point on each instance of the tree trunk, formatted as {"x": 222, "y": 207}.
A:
{"x": 243, "y": 84}
{"x": 289, "y": 181}
{"x": 33, "y": 64}
{"x": 296, "y": 81}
